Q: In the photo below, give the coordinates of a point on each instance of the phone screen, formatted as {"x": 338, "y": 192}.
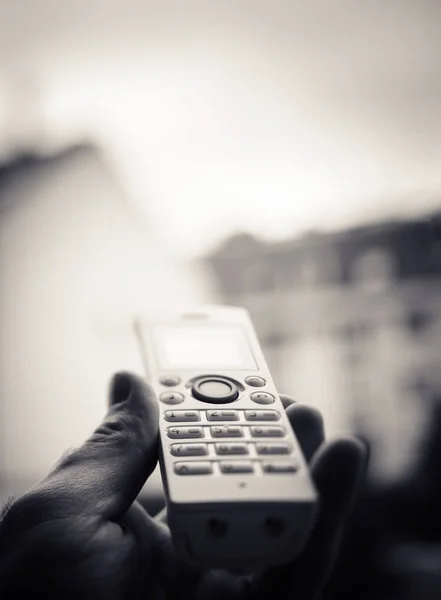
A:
{"x": 205, "y": 347}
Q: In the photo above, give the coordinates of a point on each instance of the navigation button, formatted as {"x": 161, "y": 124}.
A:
{"x": 181, "y": 415}
{"x": 171, "y": 398}
{"x": 262, "y": 398}
{"x": 185, "y": 432}
{"x": 226, "y": 431}
{"x": 193, "y": 468}
{"x": 215, "y": 389}
{"x": 267, "y": 431}
{"x": 222, "y": 415}
{"x": 189, "y": 449}
{"x": 262, "y": 415}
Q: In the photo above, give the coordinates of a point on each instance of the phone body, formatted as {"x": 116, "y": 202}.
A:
{"x": 237, "y": 487}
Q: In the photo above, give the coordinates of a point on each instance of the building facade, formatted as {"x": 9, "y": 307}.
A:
{"x": 350, "y": 323}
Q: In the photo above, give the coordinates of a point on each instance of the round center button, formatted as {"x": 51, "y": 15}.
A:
{"x": 217, "y": 390}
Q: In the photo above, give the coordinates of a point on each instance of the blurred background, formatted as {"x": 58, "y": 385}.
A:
{"x": 284, "y": 156}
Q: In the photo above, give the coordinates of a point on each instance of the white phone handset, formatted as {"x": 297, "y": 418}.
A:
{"x": 237, "y": 487}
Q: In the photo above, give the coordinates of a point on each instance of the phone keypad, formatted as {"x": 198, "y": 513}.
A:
{"x": 264, "y": 456}
{"x": 182, "y": 415}
{"x": 185, "y": 432}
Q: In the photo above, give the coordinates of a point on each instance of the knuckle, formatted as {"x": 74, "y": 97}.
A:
{"x": 68, "y": 459}
{"x": 29, "y": 510}
{"x": 123, "y": 430}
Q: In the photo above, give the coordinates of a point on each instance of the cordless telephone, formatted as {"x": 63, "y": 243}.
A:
{"x": 237, "y": 487}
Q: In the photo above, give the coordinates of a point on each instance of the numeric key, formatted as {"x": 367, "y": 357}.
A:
{"x": 193, "y": 468}
{"x": 222, "y": 415}
{"x": 275, "y": 467}
{"x": 189, "y": 449}
{"x": 262, "y": 415}
{"x": 273, "y": 448}
{"x": 185, "y": 432}
{"x": 226, "y": 431}
{"x": 223, "y": 449}
{"x": 267, "y": 431}
{"x": 236, "y": 467}
{"x": 181, "y": 415}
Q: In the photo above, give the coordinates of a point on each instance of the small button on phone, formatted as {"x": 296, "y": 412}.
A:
{"x": 231, "y": 449}
{"x": 267, "y": 431}
{"x": 274, "y": 467}
{"x": 262, "y": 415}
{"x": 170, "y": 381}
{"x": 273, "y": 448}
{"x": 226, "y": 431}
{"x": 222, "y": 415}
{"x": 182, "y": 415}
{"x": 171, "y": 398}
{"x": 236, "y": 467}
{"x": 185, "y": 432}
{"x": 193, "y": 468}
{"x": 255, "y": 381}
{"x": 262, "y": 398}
{"x": 189, "y": 449}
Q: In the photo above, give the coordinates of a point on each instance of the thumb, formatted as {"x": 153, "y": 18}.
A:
{"x": 105, "y": 475}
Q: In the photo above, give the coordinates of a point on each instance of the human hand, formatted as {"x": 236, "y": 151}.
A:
{"x": 80, "y": 533}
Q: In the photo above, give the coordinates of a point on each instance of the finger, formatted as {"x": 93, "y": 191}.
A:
{"x": 338, "y": 469}
{"x": 105, "y": 475}
{"x": 307, "y": 423}
{"x": 286, "y": 400}
{"x": 162, "y": 516}
{"x": 157, "y": 552}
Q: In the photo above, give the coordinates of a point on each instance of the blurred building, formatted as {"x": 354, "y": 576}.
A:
{"x": 77, "y": 263}
{"x": 351, "y": 323}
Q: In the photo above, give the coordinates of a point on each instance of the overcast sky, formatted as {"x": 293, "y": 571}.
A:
{"x": 272, "y": 116}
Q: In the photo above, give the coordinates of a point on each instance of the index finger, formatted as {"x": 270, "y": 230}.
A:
{"x": 338, "y": 470}
{"x": 307, "y": 423}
